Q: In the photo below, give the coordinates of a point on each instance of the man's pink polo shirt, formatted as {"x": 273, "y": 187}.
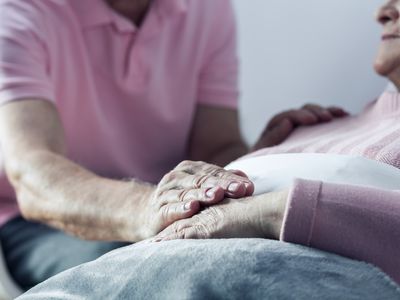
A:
{"x": 126, "y": 96}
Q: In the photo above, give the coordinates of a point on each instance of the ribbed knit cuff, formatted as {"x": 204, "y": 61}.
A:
{"x": 301, "y": 209}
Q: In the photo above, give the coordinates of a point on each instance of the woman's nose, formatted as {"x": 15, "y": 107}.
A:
{"x": 388, "y": 13}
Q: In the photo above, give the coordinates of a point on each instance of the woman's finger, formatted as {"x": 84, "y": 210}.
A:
{"x": 276, "y": 135}
{"x": 182, "y": 234}
{"x": 323, "y": 114}
{"x": 305, "y": 117}
{"x": 175, "y": 227}
{"x": 192, "y": 232}
{"x": 297, "y": 117}
{"x": 337, "y": 111}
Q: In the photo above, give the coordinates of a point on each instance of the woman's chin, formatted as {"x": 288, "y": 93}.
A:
{"x": 383, "y": 68}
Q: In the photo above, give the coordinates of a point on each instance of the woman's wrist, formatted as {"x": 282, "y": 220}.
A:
{"x": 272, "y": 208}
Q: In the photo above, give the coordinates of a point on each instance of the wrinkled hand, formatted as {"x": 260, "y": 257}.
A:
{"x": 189, "y": 187}
{"x": 283, "y": 124}
{"x": 253, "y": 217}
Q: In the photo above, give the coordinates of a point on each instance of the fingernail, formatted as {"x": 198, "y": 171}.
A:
{"x": 187, "y": 206}
{"x": 210, "y": 193}
{"x": 233, "y": 187}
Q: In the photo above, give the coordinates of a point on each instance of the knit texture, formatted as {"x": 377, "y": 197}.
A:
{"x": 359, "y": 222}
{"x": 375, "y": 134}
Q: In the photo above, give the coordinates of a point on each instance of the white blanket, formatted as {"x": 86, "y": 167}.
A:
{"x": 274, "y": 172}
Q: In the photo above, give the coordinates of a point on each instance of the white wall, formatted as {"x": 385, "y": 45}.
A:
{"x": 295, "y": 52}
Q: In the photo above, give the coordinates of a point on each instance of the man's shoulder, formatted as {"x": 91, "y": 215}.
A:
{"x": 22, "y": 15}
{"x": 213, "y": 16}
{"x": 23, "y": 6}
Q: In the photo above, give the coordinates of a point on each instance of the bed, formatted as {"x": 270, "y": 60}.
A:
{"x": 238, "y": 268}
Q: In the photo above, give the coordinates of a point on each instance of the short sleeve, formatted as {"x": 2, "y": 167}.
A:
{"x": 218, "y": 85}
{"x": 24, "y": 71}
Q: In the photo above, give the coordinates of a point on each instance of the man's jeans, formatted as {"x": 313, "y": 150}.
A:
{"x": 35, "y": 252}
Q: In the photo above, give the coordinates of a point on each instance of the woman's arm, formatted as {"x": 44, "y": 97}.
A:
{"x": 354, "y": 221}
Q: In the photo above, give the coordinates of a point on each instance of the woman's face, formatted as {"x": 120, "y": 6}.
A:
{"x": 387, "y": 62}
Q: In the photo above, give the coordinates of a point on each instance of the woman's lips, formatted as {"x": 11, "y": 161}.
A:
{"x": 386, "y": 37}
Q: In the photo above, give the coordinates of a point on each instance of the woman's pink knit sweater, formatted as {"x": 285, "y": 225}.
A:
{"x": 354, "y": 221}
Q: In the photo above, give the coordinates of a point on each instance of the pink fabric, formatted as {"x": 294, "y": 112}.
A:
{"x": 126, "y": 96}
{"x": 354, "y": 221}
{"x": 358, "y": 222}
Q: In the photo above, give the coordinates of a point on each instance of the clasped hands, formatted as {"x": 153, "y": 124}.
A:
{"x": 216, "y": 203}
{"x": 198, "y": 200}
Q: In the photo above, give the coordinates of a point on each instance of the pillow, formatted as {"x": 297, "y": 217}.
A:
{"x": 277, "y": 171}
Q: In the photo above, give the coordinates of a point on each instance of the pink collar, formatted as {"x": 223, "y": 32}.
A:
{"x": 93, "y": 13}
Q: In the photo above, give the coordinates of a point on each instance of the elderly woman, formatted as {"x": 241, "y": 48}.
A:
{"x": 93, "y": 92}
{"x": 356, "y": 221}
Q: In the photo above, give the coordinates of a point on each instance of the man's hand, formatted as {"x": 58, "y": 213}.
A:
{"x": 252, "y": 217}
{"x": 283, "y": 124}
{"x": 56, "y": 191}
{"x": 186, "y": 189}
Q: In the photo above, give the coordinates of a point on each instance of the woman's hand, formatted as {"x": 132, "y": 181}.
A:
{"x": 186, "y": 189}
{"x": 283, "y": 124}
{"x": 253, "y": 217}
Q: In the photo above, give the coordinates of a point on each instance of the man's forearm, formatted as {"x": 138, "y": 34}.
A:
{"x": 60, "y": 193}
{"x": 228, "y": 154}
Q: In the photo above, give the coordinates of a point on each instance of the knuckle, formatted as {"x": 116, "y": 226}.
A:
{"x": 193, "y": 195}
{"x": 165, "y": 212}
{"x": 209, "y": 168}
{"x": 310, "y": 105}
{"x": 186, "y": 165}
{"x": 175, "y": 227}
{"x": 173, "y": 177}
{"x": 178, "y": 227}
{"x": 202, "y": 231}
{"x": 207, "y": 223}
{"x": 201, "y": 181}
{"x": 228, "y": 177}
{"x": 159, "y": 196}
{"x": 184, "y": 195}
{"x": 168, "y": 177}
{"x": 308, "y": 109}
{"x": 221, "y": 173}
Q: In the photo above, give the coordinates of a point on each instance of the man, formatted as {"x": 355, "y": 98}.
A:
{"x": 93, "y": 92}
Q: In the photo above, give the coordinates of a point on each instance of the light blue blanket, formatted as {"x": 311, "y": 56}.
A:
{"x": 219, "y": 269}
